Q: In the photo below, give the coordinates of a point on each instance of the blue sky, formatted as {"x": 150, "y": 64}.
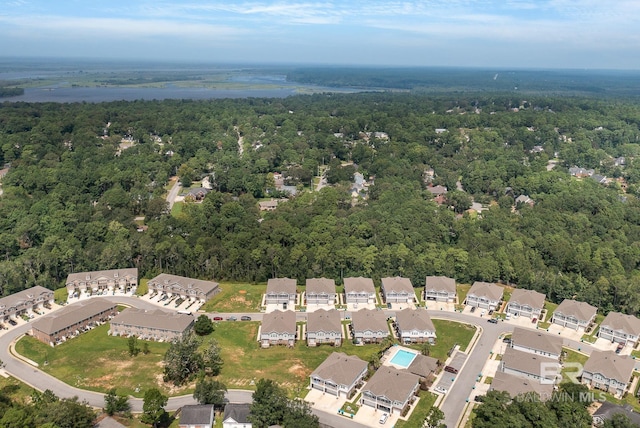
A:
{"x": 473, "y": 33}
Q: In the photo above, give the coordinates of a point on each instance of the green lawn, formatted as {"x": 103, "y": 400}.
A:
{"x": 419, "y": 294}
{"x": 236, "y": 297}
{"x": 143, "y": 287}
{"x": 462, "y": 290}
{"x": 550, "y": 307}
{"x": 60, "y": 295}
{"x": 15, "y": 390}
{"x": 176, "y": 210}
{"x": 572, "y": 357}
{"x": 98, "y": 362}
{"x": 416, "y": 419}
{"x": 450, "y": 333}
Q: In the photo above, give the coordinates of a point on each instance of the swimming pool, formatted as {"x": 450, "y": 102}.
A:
{"x": 403, "y": 358}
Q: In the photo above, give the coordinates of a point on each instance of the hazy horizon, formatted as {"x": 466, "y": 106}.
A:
{"x": 525, "y": 34}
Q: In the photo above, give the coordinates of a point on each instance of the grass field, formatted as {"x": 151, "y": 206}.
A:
{"x": 462, "y": 290}
{"x": 416, "y": 420}
{"x": 143, "y": 287}
{"x": 176, "y": 209}
{"x": 60, "y": 295}
{"x": 572, "y": 357}
{"x": 236, "y": 297}
{"x": 550, "y": 307}
{"x": 98, "y": 362}
{"x": 449, "y": 333}
{"x": 15, "y": 390}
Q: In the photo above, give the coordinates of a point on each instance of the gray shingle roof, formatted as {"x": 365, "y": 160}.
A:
{"x": 414, "y": 319}
{"x": 239, "y": 412}
{"x": 392, "y": 383}
{"x": 183, "y": 283}
{"x": 536, "y": 340}
{"x": 70, "y": 315}
{"x": 279, "y": 322}
{"x": 20, "y": 297}
{"x": 281, "y": 285}
{"x": 369, "y": 319}
{"x": 487, "y": 290}
{"x": 515, "y": 385}
{"x": 322, "y": 320}
{"x": 422, "y": 365}
{"x": 340, "y": 368}
{"x": 580, "y": 310}
{"x": 397, "y": 284}
{"x": 526, "y": 362}
{"x": 196, "y": 414}
{"x": 622, "y": 322}
{"x": 320, "y": 285}
{"x": 359, "y": 284}
{"x": 440, "y": 283}
{"x": 610, "y": 365}
{"x": 527, "y": 297}
{"x": 114, "y": 274}
{"x": 155, "y": 319}
{"x": 607, "y": 410}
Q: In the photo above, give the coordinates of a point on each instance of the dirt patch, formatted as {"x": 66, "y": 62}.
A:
{"x": 298, "y": 370}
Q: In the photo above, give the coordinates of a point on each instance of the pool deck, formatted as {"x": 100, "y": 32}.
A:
{"x": 393, "y": 351}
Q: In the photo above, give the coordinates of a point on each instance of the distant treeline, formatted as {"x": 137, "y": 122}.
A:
{"x": 11, "y": 92}
{"x": 618, "y": 83}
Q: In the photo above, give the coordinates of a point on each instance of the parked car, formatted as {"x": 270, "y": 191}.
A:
{"x": 478, "y": 398}
{"x": 232, "y": 318}
{"x": 217, "y": 318}
{"x": 508, "y": 316}
{"x": 451, "y": 369}
{"x": 619, "y": 348}
{"x": 12, "y": 322}
{"x": 383, "y": 418}
{"x": 534, "y": 320}
{"x": 490, "y": 311}
{"x": 245, "y": 318}
{"x": 493, "y": 321}
{"x": 440, "y": 389}
{"x": 473, "y": 309}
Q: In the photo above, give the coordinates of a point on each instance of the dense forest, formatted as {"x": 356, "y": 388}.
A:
{"x": 73, "y": 191}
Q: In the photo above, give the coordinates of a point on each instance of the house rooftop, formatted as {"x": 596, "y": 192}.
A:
{"x": 70, "y": 315}
{"x": 515, "y": 385}
{"x": 33, "y": 293}
{"x": 279, "y": 322}
{"x": 369, "y": 319}
{"x": 340, "y": 368}
{"x": 526, "y": 362}
{"x": 320, "y": 285}
{"x": 322, "y": 320}
{"x": 487, "y": 290}
{"x": 154, "y": 319}
{"x": 184, "y": 283}
{"x": 201, "y": 414}
{"x": 610, "y": 365}
{"x": 394, "y": 384}
{"x": 440, "y": 283}
{"x": 281, "y": 285}
{"x": 397, "y": 284}
{"x": 359, "y": 285}
{"x": 238, "y": 412}
{"x": 104, "y": 275}
{"x": 579, "y": 310}
{"x": 622, "y": 322}
{"x": 423, "y": 365}
{"x": 535, "y": 339}
{"x": 530, "y": 298}
{"x": 414, "y": 319}
{"x": 607, "y": 410}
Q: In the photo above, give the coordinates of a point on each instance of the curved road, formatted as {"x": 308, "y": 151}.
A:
{"x": 453, "y": 404}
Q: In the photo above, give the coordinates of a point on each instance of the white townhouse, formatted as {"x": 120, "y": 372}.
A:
{"x": 415, "y": 326}
{"x": 281, "y": 291}
{"x": 536, "y": 342}
{"x": 527, "y": 303}
{"x": 397, "y": 290}
{"x": 440, "y": 289}
{"x": 620, "y": 328}
{"x": 516, "y": 385}
{"x": 533, "y": 366}
{"x": 359, "y": 290}
{"x": 339, "y": 374}
{"x": 324, "y": 327}
{"x": 186, "y": 288}
{"x": 320, "y": 291}
{"x": 484, "y": 295}
{"x": 278, "y": 328}
{"x": 368, "y": 325}
{"x": 236, "y": 415}
{"x": 574, "y": 314}
{"x": 25, "y": 301}
{"x": 608, "y": 371}
{"x": 102, "y": 280}
{"x": 390, "y": 390}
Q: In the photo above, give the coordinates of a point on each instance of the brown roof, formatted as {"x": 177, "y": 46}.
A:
{"x": 155, "y": 319}
{"x": 515, "y": 385}
{"x": 359, "y": 284}
{"x": 422, "y": 365}
{"x": 488, "y": 290}
{"x": 322, "y": 320}
{"x": 622, "y": 322}
{"x": 580, "y": 310}
{"x": 527, "y": 297}
{"x": 321, "y": 285}
{"x": 279, "y": 322}
{"x": 440, "y": 283}
{"x": 525, "y": 362}
{"x": 610, "y": 365}
{"x": 184, "y": 283}
{"x": 340, "y": 368}
{"x": 20, "y": 297}
{"x": 72, "y": 314}
{"x": 537, "y": 340}
{"x": 414, "y": 319}
{"x": 114, "y": 274}
{"x": 369, "y": 319}
{"x": 397, "y": 284}
{"x": 392, "y": 383}
{"x": 281, "y": 285}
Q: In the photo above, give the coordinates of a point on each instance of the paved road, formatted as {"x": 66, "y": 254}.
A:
{"x": 173, "y": 193}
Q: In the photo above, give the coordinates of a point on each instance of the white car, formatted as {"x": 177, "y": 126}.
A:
{"x": 440, "y": 389}
{"x": 383, "y": 418}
